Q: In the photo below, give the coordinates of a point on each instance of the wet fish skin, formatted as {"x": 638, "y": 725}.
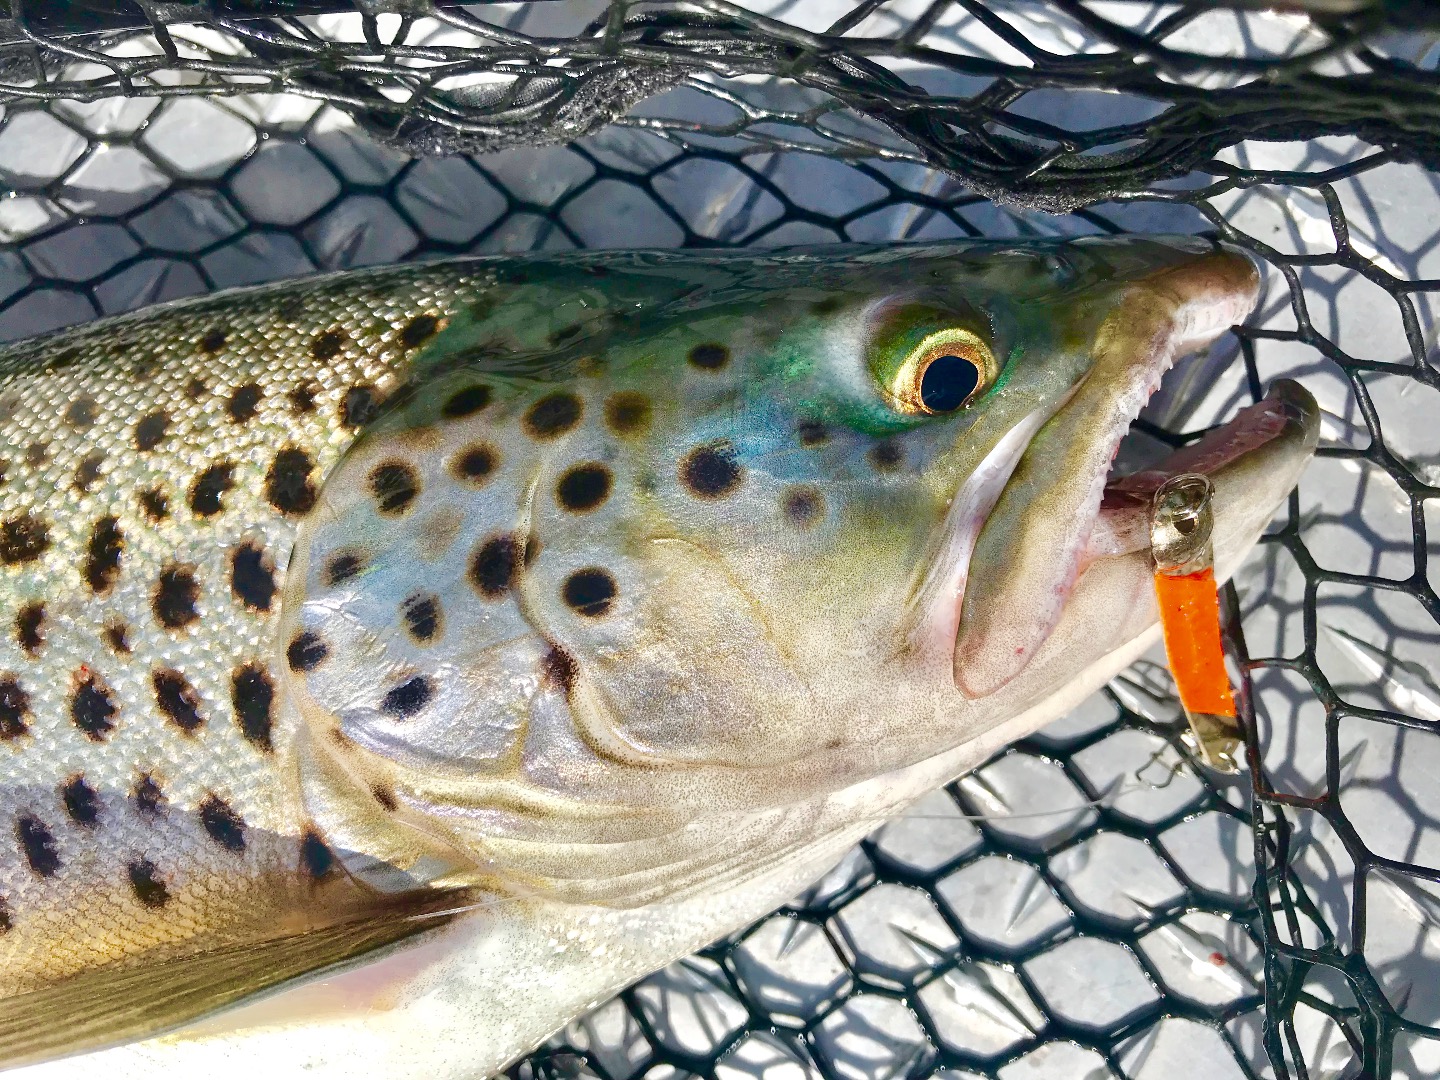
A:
{"x": 155, "y": 469}
{"x": 564, "y": 613}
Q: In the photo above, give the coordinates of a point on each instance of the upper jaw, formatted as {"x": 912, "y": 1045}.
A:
{"x": 1060, "y": 512}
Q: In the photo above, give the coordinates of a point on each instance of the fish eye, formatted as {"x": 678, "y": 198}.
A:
{"x": 943, "y": 373}
{"x": 947, "y": 382}
{"x": 929, "y": 360}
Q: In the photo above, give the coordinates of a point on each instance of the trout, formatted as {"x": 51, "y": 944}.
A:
{"x": 396, "y": 663}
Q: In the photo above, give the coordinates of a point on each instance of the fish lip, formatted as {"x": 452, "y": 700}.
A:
{"x": 1175, "y": 311}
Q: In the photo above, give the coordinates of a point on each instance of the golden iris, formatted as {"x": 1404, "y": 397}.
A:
{"x": 944, "y": 372}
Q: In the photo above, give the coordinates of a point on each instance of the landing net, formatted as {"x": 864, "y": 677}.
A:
{"x": 1091, "y": 902}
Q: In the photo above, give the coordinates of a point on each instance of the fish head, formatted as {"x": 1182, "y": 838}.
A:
{"x": 756, "y": 531}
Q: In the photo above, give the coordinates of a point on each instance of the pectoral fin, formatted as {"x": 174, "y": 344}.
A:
{"x": 121, "y": 1003}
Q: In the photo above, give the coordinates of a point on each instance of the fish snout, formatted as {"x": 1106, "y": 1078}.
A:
{"x": 1038, "y": 540}
{"x": 1205, "y": 296}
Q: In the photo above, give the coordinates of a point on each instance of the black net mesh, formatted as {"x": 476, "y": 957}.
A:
{"x": 1091, "y": 902}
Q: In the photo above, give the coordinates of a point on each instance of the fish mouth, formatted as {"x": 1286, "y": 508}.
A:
{"x": 1063, "y": 511}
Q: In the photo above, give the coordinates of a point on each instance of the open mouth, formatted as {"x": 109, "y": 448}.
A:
{"x": 1122, "y": 521}
{"x": 1063, "y": 508}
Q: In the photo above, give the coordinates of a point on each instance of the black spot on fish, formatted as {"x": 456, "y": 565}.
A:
{"x": 81, "y": 802}
{"x": 253, "y": 694}
{"x": 174, "y": 597}
{"x": 566, "y": 334}
{"x": 628, "y": 412}
{"x": 149, "y": 799}
{"x": 213, "y": 342}
{"x": 583, "y": 487}
{"x": 421, "y": 613}
{"x": 208, "y": 491}
{"x": 151, "y": 430}
{"x": 64, "y": 359}
{"x": 145, "y": 883}
{"x": 244, "y": 402}
{"x": 590, "y": 592}
{"x": 419, "y": 330}
{"x": 359, "y": 406}
{"x": 195, "y": 389}
{"x": 711, "y": 471}
{"x": 385, "y": 797}
{"x": 102, "y": 556}
{"x": 177, "y": 699}
{"x": 141, "y": 367}
{"x": 885, "y": 456}
{"x": 6, "y": 925}
{"x": 493, "y": 566}
{"x": 87, "y": 473}
{"x": 4, "y": 469}
{"x": 558, "y": 668}
{"x": 252, "y": 576}
{"x": 117, "y": 636}
{"x": 37, "y": 844}
{"x": 553, "y": 415}
{"x": 483, "y": 308}
{"x": 803, "y": 505}
{"x": 302, "y": 398}
{"x": 92, "y": 705}
{"x": 709, "y": 357}
{"x": 155, "y": 503}
{"x": 395, "y": 486}
{"x": 343, "y": 566}
{"x": 225, "y": 826}
{"x": 306, "y": 652}
{"x": 36, "y": 454}
{"x": 408, "y": 698}
{"x": 80, "y": 413}
{"x": 474, "y": 464}
{"x": 14, "y": 708}
{"x": 327, "y": 345}
{"x": 828, "y": 306}
{"x": 315, "y": 855}
{"x": 23, "y": 539}
{"x": 466, "y": 402}
{"x": 30, "y": 627}
{"x": 287, "y": 484}
{"x": 812, "y": 433}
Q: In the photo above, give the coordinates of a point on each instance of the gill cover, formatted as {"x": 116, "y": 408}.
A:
{"x": 479, "y": 624}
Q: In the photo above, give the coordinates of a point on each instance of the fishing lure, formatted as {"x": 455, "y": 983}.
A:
{"x": 1181, "y": 524}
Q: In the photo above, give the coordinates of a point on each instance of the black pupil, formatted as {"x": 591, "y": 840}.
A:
{"x": 948, "y": 383}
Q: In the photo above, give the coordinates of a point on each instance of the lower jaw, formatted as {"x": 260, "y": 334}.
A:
{"x": 1110, "y": 614}
{"x": 1122, "y": 526}
{"x": 1107, "y": 584}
